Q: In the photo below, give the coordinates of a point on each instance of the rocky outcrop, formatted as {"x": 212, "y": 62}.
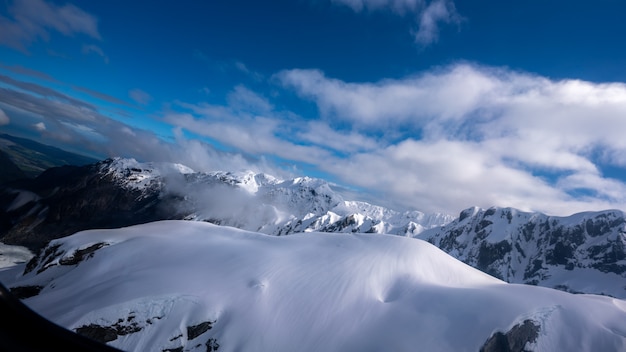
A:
{"x": 533, "y": 248}
{"x": 515, "y": 340}
{"x": 23, "y": 292}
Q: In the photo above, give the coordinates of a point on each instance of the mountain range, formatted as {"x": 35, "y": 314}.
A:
{"x": 581, "y": 253}
{"x": 121, "y": 192}
{"x": 204, "y": 262}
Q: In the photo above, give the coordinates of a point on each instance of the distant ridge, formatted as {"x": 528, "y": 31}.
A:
{"x": 32, "y": 158}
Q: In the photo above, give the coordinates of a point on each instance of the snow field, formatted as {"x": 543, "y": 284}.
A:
{"x": 305, "y": 292}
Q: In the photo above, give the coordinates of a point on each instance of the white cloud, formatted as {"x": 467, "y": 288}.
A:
{"x": 202, "y": 157}
{"x": 438, "y": 11}
{"x": 253, "y": 135}
{"x": 34, "y": 19}
{"x": 442, "y": 140}
{"x": 128, "y": 131}
{"x": 321, "y": 134}
{"x": 428, "y": 15}
{"x": 40, "y": 126}
{"x": 445, "y": 175}
{"x": 488, "y": 137}
{"x": 4, "y": 119}
{"x": 449, "y": 94}
{"x": 244, "y": 99}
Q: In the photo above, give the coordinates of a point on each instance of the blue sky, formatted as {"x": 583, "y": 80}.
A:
{"x": 429, "y": 105}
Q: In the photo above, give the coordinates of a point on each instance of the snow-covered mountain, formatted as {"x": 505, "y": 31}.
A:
{"x": 584, "y": 252}
{"x": 263, "y": 203}
{"x": 121, "y": 192}
{"x": 195, "y": 286}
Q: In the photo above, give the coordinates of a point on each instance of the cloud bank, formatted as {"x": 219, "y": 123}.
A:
{"x": 483, "y": 135}
{"x": 441, "y": 140}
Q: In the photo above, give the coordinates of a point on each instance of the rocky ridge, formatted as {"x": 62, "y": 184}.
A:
{"x": 584, "y": 252}
{"x": 122, "y": 192}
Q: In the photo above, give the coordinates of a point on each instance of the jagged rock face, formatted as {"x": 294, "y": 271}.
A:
{"x": 514, "y": 340}
{"x": 534, "y": 248}
{"x": 122, "y": 192}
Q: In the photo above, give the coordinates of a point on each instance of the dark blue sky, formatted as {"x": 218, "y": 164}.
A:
{"x": 434, "y": 105}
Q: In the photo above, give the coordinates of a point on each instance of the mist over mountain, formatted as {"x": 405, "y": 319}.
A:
{"x": 121, "y": 192}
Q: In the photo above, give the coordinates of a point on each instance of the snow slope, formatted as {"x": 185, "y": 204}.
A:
{"x": 194, "y": 286}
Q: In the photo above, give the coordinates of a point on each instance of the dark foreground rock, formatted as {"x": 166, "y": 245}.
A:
{"x": 515, "y": 340}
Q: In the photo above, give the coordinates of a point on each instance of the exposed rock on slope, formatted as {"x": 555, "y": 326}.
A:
{"x": 64, "y": 200}
{"x": 583, "y": 252}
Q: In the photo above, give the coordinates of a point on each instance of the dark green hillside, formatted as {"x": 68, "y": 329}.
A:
{"x": 32, "y": 158}
{"x": 10, "y": 171}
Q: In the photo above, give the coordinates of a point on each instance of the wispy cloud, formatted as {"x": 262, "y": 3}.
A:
{"x": 429, "y": 15}
{"x": 43, "y": 91}
{"x": 31, "y": 20}
{"x": 436, "y": 13}
{"x": 102, "y": 96}
{"x": 4, "y": 119}
{"x": 40, "y": 126}
{"x": 256, "y": 76}
{"x": 249, "y": 125}
{"x": 94, "y": 49}
{"x": 140, "y": 97}
{"x": 21, "y": 70}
